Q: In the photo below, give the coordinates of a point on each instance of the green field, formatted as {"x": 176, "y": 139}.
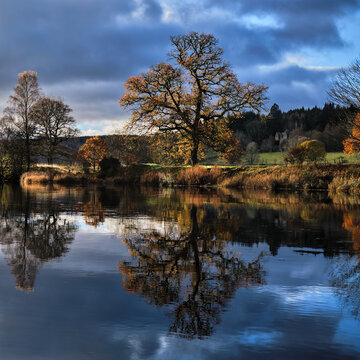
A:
{"x": 277, "y": 158}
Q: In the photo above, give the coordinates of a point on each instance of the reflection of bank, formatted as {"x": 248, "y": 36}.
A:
{"x": 32, "y": 234}
{"x": 189, "y": 270}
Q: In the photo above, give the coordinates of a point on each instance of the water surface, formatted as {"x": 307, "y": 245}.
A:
{"x": 138, "y": 273}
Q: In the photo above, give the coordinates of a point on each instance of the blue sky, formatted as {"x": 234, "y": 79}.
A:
{"x": 84, "y": 50}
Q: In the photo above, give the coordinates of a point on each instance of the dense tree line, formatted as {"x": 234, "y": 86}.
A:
{"x": 279, "y": 130}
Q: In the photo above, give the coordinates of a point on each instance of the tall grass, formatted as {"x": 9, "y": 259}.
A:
{"x": 51, "y": 177}
{"x": 157, "y": 178}
{"x": 199, "y": 175}
{"x": 308, "y": 177}
{"x": 34, "y": 177}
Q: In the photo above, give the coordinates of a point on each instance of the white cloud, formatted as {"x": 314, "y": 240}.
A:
{"x": 295, "y": 60}
{"x": 252, "y": 21}
{"x": 103, "y": 127}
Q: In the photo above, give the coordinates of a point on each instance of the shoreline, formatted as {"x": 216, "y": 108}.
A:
{"x": 308, "y": 177}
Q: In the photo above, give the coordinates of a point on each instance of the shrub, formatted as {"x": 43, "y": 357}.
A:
{"x": 310, "y": 150}
{"x": 234, "y": 152}
{"x": 252, "y": 153}
{"x": 314, "y": 150}
{"x": 295, "y": 155}
{"x": 109, "y": 166}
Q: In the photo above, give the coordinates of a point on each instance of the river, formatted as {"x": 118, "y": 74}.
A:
{"x": 143, "y": 273}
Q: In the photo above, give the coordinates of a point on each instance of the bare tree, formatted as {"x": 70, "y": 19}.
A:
{"x": 17, "y": 114}
{"x": 53, "y": 124}
{"x": 345, "y": 89}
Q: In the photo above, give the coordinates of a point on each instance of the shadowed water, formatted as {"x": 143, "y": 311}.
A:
{"x": 138, "y": 273}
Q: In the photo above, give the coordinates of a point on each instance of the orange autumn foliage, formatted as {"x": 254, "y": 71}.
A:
{"x": 352, "y": 143}
{"x": 191, "y": 97}
{"x": 171, "y": 149}
{"x": 93, "y": 151}
{"x": 352, "y": 223}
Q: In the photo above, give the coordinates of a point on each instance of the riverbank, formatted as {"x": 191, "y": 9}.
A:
{"x": 155, "y": 175}
{"x": 333, "y": 178}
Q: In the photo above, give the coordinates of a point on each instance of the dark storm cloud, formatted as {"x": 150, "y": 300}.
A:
{"x": 300, "y": 20}
{"x": 83, "y": 50}
{"x": 70, "y": 40}
{"x": 294, "y": 24}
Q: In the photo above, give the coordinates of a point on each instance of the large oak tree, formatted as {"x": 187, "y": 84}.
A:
{"x": 192, "y": 95}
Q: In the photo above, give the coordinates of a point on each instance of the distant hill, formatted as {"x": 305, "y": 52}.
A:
{"x": 76, "y": 143}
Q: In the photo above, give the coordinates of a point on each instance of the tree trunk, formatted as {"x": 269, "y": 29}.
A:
{"x": 194, "y": 236}
{"x": 50, "y": 159}
{"x": 50, "y": 149}
{"x": 194, "y": 153}
{"x": 27, "y": 153}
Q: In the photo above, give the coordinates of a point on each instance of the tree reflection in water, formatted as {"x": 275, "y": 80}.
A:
{"x": 352, "y": 223}
{"x": 93, "y": 211}
{"x": 189, "y": 269}
{"x": 32, "y": 234}
{"x": 345, "y": 276}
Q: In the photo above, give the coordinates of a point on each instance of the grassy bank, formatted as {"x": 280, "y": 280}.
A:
{"x": 334, "y": 178}
{"x": 340, "y": 178}
{"x": 150, "y": 174}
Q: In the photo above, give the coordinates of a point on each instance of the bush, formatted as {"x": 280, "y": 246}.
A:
{"x": 295, "y": 155}
{"x": 252, "y": 153}
{"x": 310, "y": 151}
{"x": 234, "y": 153}
{"x": 12, "y": 160}
{"x": 109, "y": 166}
{"x": 314, "y": 150}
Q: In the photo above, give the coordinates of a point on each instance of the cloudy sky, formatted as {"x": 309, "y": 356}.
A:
{"x": 84, "y": 50}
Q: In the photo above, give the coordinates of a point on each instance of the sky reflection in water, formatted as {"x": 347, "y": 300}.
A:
{"x": 164, "y": 274}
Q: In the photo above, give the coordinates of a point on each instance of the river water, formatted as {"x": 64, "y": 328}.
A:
{"x": 140, "y": 273}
